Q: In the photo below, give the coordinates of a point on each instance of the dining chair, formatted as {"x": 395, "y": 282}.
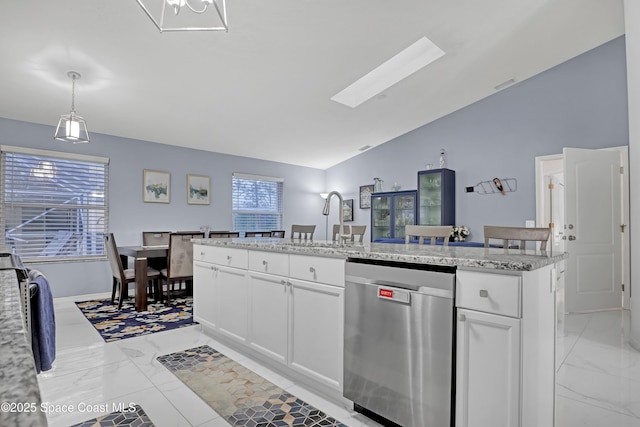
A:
{"x": 180, "y": 261}
{"x": 223, "y": 234}
{"x": 121, "y": 276}
{"x": 298, "y": 231}
{"x": 155, "y": 238}
{"x": 277, "y": 233}
{"x": 523, "y": 234}
{"x": 432, "y": 231}
{"x": 346, "y": 230}
{"x": 358, "y": 230}
{"x": 257, "y": 234}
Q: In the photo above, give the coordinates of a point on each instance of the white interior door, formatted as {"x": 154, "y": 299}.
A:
{"x": 592, "y": 219}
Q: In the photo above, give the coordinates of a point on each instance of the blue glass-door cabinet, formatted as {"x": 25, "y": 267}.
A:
{"x": 390, "y": 212}
{"x": 437, "y": 197}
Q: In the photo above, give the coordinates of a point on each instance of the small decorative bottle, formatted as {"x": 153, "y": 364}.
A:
{"x": 443, "y": 160}
{"x": 377, "y": 185}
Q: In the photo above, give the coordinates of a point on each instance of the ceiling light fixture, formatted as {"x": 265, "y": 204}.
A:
{"x": 197, "y": 15}
{"x": 71, "y": 127}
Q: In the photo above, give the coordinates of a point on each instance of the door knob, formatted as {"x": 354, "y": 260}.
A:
{"x": 570, "y": 226}
{"x": 572, "y": 237}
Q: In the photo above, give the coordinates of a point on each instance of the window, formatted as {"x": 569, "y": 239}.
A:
{"x": 53, "y": 206}
{"x": 257, "y": 203}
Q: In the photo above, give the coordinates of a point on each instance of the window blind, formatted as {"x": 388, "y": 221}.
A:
{"x": 257, "y": 203}
{"x": 53, "y": 206}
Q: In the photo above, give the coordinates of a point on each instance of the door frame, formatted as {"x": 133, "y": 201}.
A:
{"x": 540, "y": 162}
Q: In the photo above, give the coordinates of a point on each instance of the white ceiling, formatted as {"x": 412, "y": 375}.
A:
{"x": 263, "y": 89}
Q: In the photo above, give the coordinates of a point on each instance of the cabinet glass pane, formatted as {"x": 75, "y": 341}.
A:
{"x": 381, "y": 214}
{"x": 404, "y": 214}
{"x": 430, "y": 199}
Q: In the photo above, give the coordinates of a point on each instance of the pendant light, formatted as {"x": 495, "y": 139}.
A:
{"x": 197, "y": 16}
{"x": 71, "y": 127}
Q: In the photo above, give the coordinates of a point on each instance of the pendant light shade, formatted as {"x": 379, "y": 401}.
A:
{"x": 71, "y": 127}
{"x": 186, "y": 15}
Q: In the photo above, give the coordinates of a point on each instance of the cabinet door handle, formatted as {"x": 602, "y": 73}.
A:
{"x": 201, "y": 253}
{"x": 264, "y": 262}
{"x": 462, "y": 317}
{"x": 484, "y": 293}
{"x": 312, "y": 270}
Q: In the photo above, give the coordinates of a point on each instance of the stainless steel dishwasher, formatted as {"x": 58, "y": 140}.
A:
{"x": 399, "y": 342}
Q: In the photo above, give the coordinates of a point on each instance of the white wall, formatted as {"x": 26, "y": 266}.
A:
{"x": 580, "y": 103}
{"x": 129, "y": 215}
{"x": 632, "y": 28}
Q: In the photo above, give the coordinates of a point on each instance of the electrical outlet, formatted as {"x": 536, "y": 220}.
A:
{"x": 530, "y": 223}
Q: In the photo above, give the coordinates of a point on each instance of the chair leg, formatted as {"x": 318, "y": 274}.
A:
{"x": 169, "y": 292}
{"x": 123, "y": 292}
{"x": 157, "y": 289}
{"x": 113, "y": 290}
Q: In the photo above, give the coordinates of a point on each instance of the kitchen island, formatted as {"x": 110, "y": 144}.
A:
{"x": 19, "y": 391}
{"x": 282, "y": 301}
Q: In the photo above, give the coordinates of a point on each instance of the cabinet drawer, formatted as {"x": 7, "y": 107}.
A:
{"x": 491, "y": 293}
{"x": 230, "y": 257}
{"x": 269, "y": 262}
{"x": 317, "y": 269}
{"x": 201, "y": 253}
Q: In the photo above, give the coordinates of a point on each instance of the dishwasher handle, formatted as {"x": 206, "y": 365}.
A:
{"x": 425, "y": 290}
{"x": 377, "y": 282}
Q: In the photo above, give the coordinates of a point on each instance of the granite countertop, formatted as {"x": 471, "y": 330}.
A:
{"x": 484, "y": 258}
{"x": 18, "y": 383}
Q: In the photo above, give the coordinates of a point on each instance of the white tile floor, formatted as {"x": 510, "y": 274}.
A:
{"x": 598, "y": 374}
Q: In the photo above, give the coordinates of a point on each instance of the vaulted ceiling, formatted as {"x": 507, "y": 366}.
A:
{"x": 263, "y": 88}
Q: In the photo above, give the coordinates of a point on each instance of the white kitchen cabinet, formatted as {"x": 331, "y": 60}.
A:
{"x": 268, "y": 314}
{"x": 220, "y": 289}
{"x": 233, "y": 308}
{"x": 289, "y": 308}
{"x": 316, "y": 330}
{"x": 488, "y": 370}
{"x": 204, "y": 294}
{"x": 505, "y": 344}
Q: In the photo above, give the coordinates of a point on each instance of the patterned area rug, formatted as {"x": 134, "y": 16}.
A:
{"x": 114, "y": 324}
{"x": 136, "y": 417}
{"x": 240, "y": 395}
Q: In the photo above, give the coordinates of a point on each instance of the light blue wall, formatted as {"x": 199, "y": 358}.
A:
{"x": 580, "y": 103}
{"x": 129, "y": 215}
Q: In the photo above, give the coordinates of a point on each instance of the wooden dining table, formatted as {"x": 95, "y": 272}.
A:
{"x": 141, "y": 254}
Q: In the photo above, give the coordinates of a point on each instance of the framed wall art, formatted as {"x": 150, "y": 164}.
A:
{"x": 156, "y": 186}
{"x": 198, "y": 190}
{"x": 347, "y": 210}
{"x": 365, "y": 196}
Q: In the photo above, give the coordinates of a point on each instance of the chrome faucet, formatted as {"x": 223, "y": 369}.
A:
{"x": 342, "y": 238}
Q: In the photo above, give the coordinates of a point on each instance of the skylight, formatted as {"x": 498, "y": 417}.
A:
{"x": 418, "y": 55}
